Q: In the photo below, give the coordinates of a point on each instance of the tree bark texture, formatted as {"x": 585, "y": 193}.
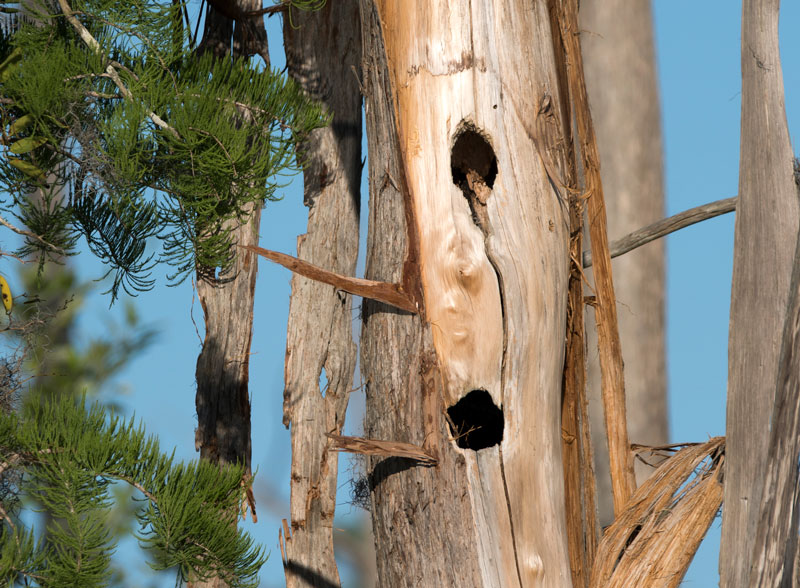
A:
{"x": 620, "y": 69}
{"x": 767, "y": 216}
{"x": 467, "y": 157}
{"x": 323, "y": 53}
{"x": 222, "y": 373}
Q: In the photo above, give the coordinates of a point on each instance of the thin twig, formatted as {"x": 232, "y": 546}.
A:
{"x": 25, "y": 233}
{"x": 666, "y": 226}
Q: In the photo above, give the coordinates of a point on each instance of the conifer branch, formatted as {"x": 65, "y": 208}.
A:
{"x": 69, "y": 454}
{"x": 92, "y": 43}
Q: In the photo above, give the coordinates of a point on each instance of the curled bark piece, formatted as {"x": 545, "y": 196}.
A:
{"x": 653, "y": 540}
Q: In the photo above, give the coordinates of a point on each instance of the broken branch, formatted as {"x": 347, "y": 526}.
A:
{"x": 666, "y": 226}
{"x": 381, "y": 448}
{"x": 385, "y": 292}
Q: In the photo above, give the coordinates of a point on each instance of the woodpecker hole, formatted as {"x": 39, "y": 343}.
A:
{"x": 471, "y": 151}
{"x": 474, "y": 168}
{"x": 475, "y": 421}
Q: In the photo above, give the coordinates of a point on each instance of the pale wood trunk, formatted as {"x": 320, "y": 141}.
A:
{"x": 323, "y": 53}
{"x": 223, "y": 397}
{"x": 466, "y": 163}
{"x": 619, "y": 61}
{"x": 766, "y": 228}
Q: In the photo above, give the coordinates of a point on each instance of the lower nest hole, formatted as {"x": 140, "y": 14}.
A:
{"x": 475, "y": 421}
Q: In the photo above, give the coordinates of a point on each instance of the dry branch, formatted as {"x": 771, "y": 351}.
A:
{"x": 664, "y": 227}
{"x": 652, "y": 542}
{"x": 623, "y": 482}
{"x": 381, "y": 291}
{"x": 381, "y": 448}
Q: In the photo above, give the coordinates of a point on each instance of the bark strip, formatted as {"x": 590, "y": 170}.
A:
{"x": 580, "y": 489}
{"x": 610, "y": 350}
{"x": 381, "y": 448}
{"x": 652, "y": 542}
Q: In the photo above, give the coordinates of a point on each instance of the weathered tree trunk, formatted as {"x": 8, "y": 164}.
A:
{"x": 466, "y": 163}
{"x": 323, "y": 53}
{"x": 619, "y": 61}
{"x": 767, "y": 216}
{"x": 223, "y": 398}
{"x": 776, "y": 540}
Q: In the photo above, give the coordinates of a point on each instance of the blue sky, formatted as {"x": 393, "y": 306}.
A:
{"x": 698, "y": 61}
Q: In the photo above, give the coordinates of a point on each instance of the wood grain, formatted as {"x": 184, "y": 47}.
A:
{"x": 767, "y": 217}
{"x": 776, "y": 541}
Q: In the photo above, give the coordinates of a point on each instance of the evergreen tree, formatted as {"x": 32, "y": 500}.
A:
{"x": 128, "y": 135}
{"x": 68, "y": 456}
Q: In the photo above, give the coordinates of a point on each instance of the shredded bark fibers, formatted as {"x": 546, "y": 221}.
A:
{"x": 381, "y": 448}
{"x": 652, "y": 542}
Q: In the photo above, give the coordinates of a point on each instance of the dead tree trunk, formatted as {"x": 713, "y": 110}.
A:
{"x": 323, "y": 53}
{"x": 466, "y": 212}
{"x": 767, "y": 216}
{"x": 619, "y": 59}
{"x": 223, "y": 397}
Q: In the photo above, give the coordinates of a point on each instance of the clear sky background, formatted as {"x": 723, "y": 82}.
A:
{"x": 699, "y": 70}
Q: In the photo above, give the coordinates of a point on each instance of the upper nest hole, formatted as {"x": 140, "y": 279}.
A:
{"x": 471, "y": 151}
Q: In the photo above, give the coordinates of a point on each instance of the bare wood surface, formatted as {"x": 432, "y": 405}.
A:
{"x": 776, "y": 539}
{"x": 457, "y": 71}
{"x": 322, "y": 48}
{"x": 381, "y": 291}
{"x": 767, "y": 217}
{"x": 652, "y": 542}
{"x": 623, "y": 482}
{"x": 664, "y": 227}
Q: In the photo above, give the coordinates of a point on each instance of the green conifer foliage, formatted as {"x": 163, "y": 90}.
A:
{"x": 68, "y": 457}
{"x": 100, "y": 101}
